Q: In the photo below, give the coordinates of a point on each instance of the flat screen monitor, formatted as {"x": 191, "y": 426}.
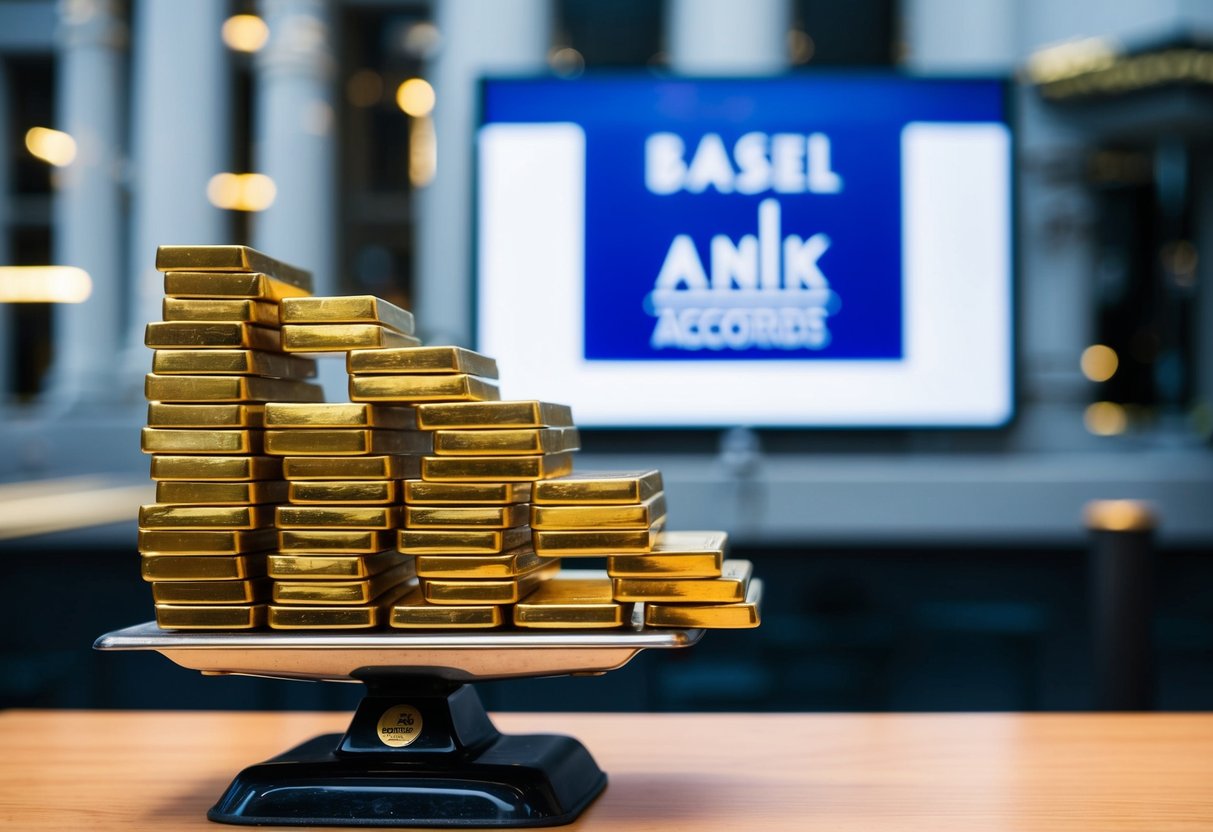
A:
{"x": 809, "y": 250}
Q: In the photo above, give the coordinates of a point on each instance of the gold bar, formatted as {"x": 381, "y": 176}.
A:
{"x": 599, "y": 488}
{"x": 382, "y": 467}
{"x": 216, "y": 285}
{"x": 420, "y": 492}
{"x": 203, "y": 543}
{"x": 351, "y": 492}
{"x": 202, "y": 568}
{"x": 729, "y": 588}
{"x": 195, "y": 441}
{"x": 463, "y": 541}
{"x": 327, "y": 567}
{"x": 509, "y": 414}
{"x": 511, "y": 591}
{"x": 229, "y": 389}
{"x": 682, "y": 554}
{"x": 229, "y": 259}
{"x": 343, "y": 593}
{"x": 345, "y": 441}
{"x": 509, "y": 565}
{"x": 505, "y": 442}
{"x": 342, "y": 337}
{"x": 221, "y": 493}
{"x": 462, "y": 517}
{"x": 232, "y": 362}
{"x": 211, "y": 336}
{"x": 573, "y": 604}
{"x": 187, "y": 617}
{"x": 339, "y": 415}
{"x": 240, "y": 309}
{"x": 161, "y": 516}
{"x": 216, "y": 468}
{"x": 494, "y": 468}
{"x": 211, "y": 592}
{"x": 612, "y": 542}
{"x": 414, "y": 612}
{"x": 165, "y": 415}
{"x": 343, "y": 517}
{"x": 422, "y": 388}
{"x": 364, "y": 617}
{"x": 347, "y": 309}
{"x": 639, "y": 516}
{"x": 334, "y": 541}
{"x": 416, "y": 360}
{"x": 741, "y": 616}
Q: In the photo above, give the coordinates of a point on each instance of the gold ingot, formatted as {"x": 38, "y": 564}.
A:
{"x": 347, "y": 492}
{"x": 420, "y": 492}
{"x": 381, "y": 467}
{"x": 729, "y": 588}
{"x": 247, "y": 311}
{"x": 231, "y": 468}
{"x": 587, "y": 543}
{"x": 334, "y": 541}
{"x": 196, "y": 568}
{"x": 494, "y": 468}
{"x": 639, "y": 516}
{"x": 166, "y": 415}
{"x": 343, "y": 593}
{"x": 229, "y": 259}
{"x": 462, "y": 541}
{"x": 508, "y": 565}
{"x": 344, "y": 441}
{"x": 204, "y": 543}
{"x": 515, "y": 441}
{"x": 342, "y": 517}
{"x": 211, "y": 592}
{"x": 683, "y": 554}
{"x": 232, "y": 362}
{"x": 508, "y": 414}
{"x": 573, "y": 604}
{"x": 188, "y": 617}
{"x": 342, "y": 337}
{"x": 462, "y": 517}
{"x": 362, "y": 617}
{"x": 422, "y": 388}
{"x": 416, "y": 360}
{"x": 510, "y": 591}
{"x": 213, "y": 335}
{"x": 347, "y": 309}
{"x": 740, "y": 616}
{"x": 160, "y": 516}
{"x": 599, "y": 488}
{"x": 229, "y": 389}
{"x": 208, "y": 285}
{"x": 195, "y": 441}
{"x": 413, "y": 612}
{"x": 221, "y": 493}
{"x": 332, "y": 567}
{"x": 339, "y": 415}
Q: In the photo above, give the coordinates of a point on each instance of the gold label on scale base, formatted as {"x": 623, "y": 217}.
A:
{"x": 400, "y": 726}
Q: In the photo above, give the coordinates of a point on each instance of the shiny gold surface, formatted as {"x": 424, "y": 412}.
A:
{"x": 334, "y": 541}
{"x": 414, "y": 612}
{"x": 208, "y": 285}
{"x": 345, "y": 517}
{"x": 228, "y": 389}
{"x": 420, "y": 492}
{"x": 460, "y": 517}
{"x": 232, "y": 362}
{"x": 171, "y": 467}
{"x": 422, "y": 388}
{"x": 572, "y": 603}
{"x": 205, "y": 542}
{"x": 610, "y": 542}
{"x": 188, "y": 617}
{"x": 342, "y": 592}
{"x": 211, "y": 592}
{"x": 730, "y": 587}
{"x": 196, "y": 441}
{"x": 220, "y": 493}
{"x": 211, "y": 335}
{"x": 510, "y": 441}
{"x": 229, "y": 259}
{"x": 350, "y": 467}
{"x": 348, "y": 492}
{"x": 507, "y": 414}
{"x": 160, "y": 516}
{"x": 508, "y": 565}
{"x": 463, "y": 541}
{"x": 228, "y": 309}
{"x": 347, "y": 309}
{"x": 494, "y": 468}
{"x": 601, "y": 487}
{"x": 329, "y": 567}
{"x": 739, "y": 616}
{"x": 344, "y": 441}
{"x": 342, "y": 337}
{"x": 363, "y": 617}
{"x": 167, "y": 415}
{"x": 202, "y": 568}
{"x": 339, "y": 415}
{"x": 445, "y": 591}
{"x": 639, "y": 516}
{"x": 695, "y": 565}
{"x": 410, "y": 360}
{"x": 1119, "y": 516}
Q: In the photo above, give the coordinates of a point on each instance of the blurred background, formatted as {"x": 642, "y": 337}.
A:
{"x": 944, "y": 568}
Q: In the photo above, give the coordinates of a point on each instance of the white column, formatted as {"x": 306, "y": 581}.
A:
{"x": 88, "y": 199}
{"x": 960, "y": 35}
{"x": 180, "y": 139}
{"x": 727, "y": 37}
{"x": 479, "y": 38}
{"x": 296, "y": 135}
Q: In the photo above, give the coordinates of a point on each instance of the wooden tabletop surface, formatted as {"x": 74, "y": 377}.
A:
{"x": 73, "y": 770}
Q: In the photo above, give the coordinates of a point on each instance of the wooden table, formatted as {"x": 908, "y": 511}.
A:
{"x": 70, "y": 770}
